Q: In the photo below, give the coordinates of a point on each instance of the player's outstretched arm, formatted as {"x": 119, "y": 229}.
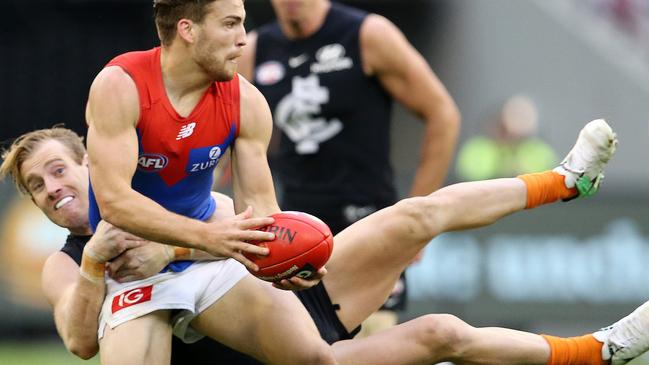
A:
{"x": 112, "y": 113}
{"x": 406, "y": 75}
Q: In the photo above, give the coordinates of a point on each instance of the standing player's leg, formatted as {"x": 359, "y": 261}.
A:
{"x": 269, "y": 324}
{"x": 142, "y": 341}
{"x": 369, "y": 255}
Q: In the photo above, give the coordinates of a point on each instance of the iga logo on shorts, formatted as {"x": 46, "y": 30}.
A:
{"x": 151, "y": 162}
{"x": 132, "y": 297}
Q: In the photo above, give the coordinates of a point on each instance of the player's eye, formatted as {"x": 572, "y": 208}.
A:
{"x": 59, "y": 171}
{"x": 35, "y": 187}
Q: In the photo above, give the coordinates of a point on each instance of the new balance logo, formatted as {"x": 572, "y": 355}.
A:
{"x": 186, "y": 131}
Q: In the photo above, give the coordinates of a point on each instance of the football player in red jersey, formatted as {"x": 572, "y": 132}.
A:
{"x": 158, "y": 122}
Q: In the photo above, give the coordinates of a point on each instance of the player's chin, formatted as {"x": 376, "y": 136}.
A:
{"x": 69, "y": 218}
{"x": 226, "y": 74}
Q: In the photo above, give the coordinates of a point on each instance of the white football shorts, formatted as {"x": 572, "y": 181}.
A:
{"x": 190, "y": 292}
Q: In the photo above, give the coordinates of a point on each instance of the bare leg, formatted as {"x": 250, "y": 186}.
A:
{"x": 142, "y": 341}
{"x": 264, "y": 322}
{"x": 377, "y": 322}
{"x": 442, "y": 337}
{"x": 369, "y": 255}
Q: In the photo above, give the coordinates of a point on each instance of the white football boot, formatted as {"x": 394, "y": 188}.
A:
{"x": 627, "y": 338}
{"x": 583, "y": 166}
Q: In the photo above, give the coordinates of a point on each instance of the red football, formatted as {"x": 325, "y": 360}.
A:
{"x": 302, "y": 245}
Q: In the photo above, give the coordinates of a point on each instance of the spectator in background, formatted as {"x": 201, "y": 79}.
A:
{"x": 512, "y": 147}
{"x": 330, "y": 74}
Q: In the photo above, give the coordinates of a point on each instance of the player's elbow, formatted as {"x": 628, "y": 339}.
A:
{"x": 450, "y": 115}
{"x": 83, "y": 349}
{"x": 111, "y": 207}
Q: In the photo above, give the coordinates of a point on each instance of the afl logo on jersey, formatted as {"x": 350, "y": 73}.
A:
{"x": 269, "y": 73}
{"x": 151, "y": 162}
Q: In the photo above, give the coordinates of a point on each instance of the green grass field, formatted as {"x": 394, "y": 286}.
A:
{"x": 39, "y": 353}
{"x": 53, "y": 353}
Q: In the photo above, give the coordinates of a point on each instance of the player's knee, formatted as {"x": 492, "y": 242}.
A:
{"x": 444, "y": 334}
{"x": 84, "y": 352}
{"x": 417, "y": 216}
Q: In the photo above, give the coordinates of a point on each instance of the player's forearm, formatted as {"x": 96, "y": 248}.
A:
{"x": 258, "y": 193}
{"x": 78, "y": 322}
{"x": 261, "y": 207}
{"x": 437, "y": 149}
{"x": 143, "y": 217}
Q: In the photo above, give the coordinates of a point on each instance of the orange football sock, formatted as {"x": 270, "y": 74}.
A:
{"x": 545, "y": 187}
{"x": 583, "y": 350}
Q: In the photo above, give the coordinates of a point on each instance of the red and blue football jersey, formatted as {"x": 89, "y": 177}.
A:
{"x": 177, "y": 155}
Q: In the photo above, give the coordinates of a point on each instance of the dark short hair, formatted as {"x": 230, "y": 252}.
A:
{"x": 167, "y": 13}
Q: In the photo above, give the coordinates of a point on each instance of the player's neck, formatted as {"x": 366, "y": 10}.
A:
{"x": 181, "y": 77}
{"x": 81, "y": 231}
{"x": 304, "y": 28}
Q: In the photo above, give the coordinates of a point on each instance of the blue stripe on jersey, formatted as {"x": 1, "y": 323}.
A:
{"x": 189, "y": 197}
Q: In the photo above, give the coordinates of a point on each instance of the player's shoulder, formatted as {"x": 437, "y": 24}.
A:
{"x": 58, "y": 261}
{"x": 378, "y": 32}
{"x": 375, "y": 24}
{"x": 255, "y": 112}
{"x": 113, "y": 78}
{"x": 113, "y": 96}
{"x": 249, "y": 94}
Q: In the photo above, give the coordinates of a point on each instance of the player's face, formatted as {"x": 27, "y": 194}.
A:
{"x": 58, "y": 185}
{"x": 294, "y": 11}
{"x": 220, "y": 39}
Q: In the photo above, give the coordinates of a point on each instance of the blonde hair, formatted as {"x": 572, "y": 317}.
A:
{"x": 22, "y": 148}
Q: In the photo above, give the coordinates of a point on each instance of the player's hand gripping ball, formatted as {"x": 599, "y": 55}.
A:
{"x": 302, "y": 245}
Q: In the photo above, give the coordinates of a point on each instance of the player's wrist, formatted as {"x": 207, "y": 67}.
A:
{"x": 183, "y": 253}
{"x": 175, "y": 253}
{"x": 92, "y": 267}
{"x": 168, "y": 252}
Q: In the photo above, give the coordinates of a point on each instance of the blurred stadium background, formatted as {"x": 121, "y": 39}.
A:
{"x": 563, "y": 269}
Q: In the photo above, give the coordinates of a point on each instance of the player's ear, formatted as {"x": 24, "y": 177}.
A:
{"x": 84, "y": 160}
{"x": 186, "y": 30}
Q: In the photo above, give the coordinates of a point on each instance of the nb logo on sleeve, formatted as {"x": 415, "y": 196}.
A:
{"x": 186, "y": 131}
{"x": 131, "y": 297}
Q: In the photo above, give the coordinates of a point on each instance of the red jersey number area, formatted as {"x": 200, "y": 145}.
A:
{"x": 302, "y": 245}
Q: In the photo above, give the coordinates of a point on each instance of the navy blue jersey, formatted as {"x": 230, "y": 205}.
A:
{"x": 334, "y": 120}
